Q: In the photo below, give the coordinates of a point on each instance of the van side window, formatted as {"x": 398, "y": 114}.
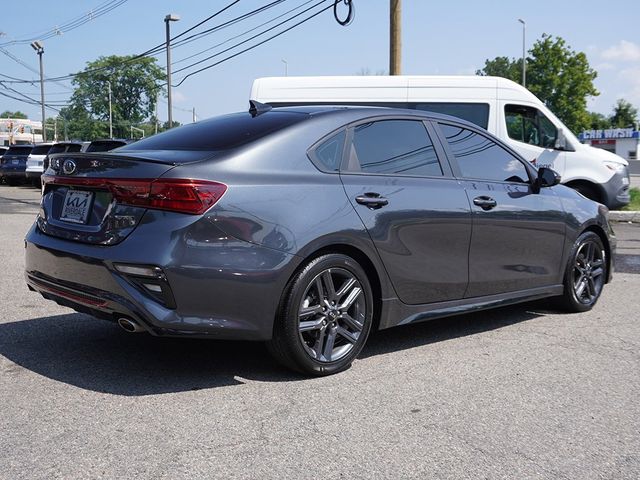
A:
{"x": 477, "y": 113}
{"x": 529, "y": 125}
{"x": 480, "y": 157}
{"x": 394, "y": 147}
{"x": 329, "y": 153}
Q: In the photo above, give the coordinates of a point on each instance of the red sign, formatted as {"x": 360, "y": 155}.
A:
{"x": 603, "y": 142}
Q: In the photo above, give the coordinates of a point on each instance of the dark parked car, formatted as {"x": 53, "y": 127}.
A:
{"x": 14, "y": 164}
{"x": 306, "y": 227}
{"x": 105, "y": 145}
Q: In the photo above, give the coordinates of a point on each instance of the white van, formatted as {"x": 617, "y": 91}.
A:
{"x": 504, "y": 108}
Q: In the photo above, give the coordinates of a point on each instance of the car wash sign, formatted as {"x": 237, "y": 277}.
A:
{"x": 609, "y": 134}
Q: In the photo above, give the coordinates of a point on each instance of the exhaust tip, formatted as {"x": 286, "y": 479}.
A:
{"x": 130, "y": 325}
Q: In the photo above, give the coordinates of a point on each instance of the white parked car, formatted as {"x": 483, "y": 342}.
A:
{"x": 504, "y": 108}
{"x": 35, "y": 162}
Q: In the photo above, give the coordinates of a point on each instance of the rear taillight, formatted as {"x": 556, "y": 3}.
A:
{"x": 173, "y": 194}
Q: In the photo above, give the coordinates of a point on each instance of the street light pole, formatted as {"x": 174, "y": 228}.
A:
{"x": 286, "y": 67}
{"x": 172, "y": 17}
{"x": 524, "y": 58}
{"x": 110, "y": 117}
{"x": 39, "y": 48}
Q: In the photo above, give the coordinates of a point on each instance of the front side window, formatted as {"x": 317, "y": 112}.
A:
{"x": 394, "y": 147}
{"x": 480, "y": 157}
{"x": 477, "y": 113}
{"x": 529, "y": 125}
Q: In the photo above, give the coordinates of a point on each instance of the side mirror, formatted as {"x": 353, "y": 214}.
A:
{"x": 547, "y": 178}
{"x": 561, "y": 141}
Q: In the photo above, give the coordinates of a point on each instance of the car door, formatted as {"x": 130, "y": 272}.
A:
{"x": 518, "y": 230}
{"x": 416, "y": 213}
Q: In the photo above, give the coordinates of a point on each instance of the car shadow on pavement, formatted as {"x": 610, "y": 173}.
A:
{"x": 96, "y": 355}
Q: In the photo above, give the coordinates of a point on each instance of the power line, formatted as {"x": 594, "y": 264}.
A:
{"x": 69, "y": 25}
{"x": 251, "y": 38}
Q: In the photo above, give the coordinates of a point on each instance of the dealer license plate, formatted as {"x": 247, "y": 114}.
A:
{"x": 76, "y": 207}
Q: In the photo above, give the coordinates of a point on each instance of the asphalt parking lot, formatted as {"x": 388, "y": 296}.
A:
{"x": 519, "y": 392}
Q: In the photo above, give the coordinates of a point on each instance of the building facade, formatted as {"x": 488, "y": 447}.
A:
{"x": 621, "y": 141}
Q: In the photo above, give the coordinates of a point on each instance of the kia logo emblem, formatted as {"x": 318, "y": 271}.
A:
{"x": 68, "y": 167}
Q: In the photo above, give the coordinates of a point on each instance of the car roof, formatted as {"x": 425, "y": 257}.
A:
{"x": 353, "y": 113}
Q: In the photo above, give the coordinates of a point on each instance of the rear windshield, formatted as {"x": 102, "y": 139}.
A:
{"x": 40, "y": 150}
{"x": 219, "y": 133}
{"x": 104, "y": 145}
{"x": 65, "y": 147}
{"x": 18, "y": 150}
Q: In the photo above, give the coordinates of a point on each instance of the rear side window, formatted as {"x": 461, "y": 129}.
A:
{"x": 480, "y": 157}
{"x": 41, "y": 150}
{"x": 394, "y": 147}
{"x": 329, "y": 153}
{"x": 477, "y": 113}
{"x": 219, "y": 133}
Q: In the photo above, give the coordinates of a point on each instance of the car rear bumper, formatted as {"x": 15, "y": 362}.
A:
{"x": 210, "y": 301}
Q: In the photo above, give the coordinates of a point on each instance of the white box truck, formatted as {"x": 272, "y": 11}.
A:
{"x": 501, "y": 106}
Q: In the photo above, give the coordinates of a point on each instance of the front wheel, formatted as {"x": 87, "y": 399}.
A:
{"x": 585, "y": 274}
{"x": 325, "y": 316}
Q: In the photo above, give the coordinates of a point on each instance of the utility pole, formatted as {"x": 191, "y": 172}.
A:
{"x": 395, "y": 37}
{"x": 194, "y": 115}
{"x": 524, "y": 58}
{"x": 110, "y": 118}
{"x": 39, "y": 48}
{"x": 157, "y": 100}
{"x": 172, "y": 17}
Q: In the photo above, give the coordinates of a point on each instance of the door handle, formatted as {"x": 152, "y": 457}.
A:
{"x": 484, "y": 202}
{"x": 372, "y": 200}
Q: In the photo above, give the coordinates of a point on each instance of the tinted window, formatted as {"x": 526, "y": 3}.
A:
{"x": 329, "y": 152}
{"x": 40, "y": 150}
{"x": 76, "y": 147}
{"x": 219, "y": 133}
{"x": 104, "y": 145}
{"x": 480, "y": 157}
{"x": 477, "y": 113}
{"x": 17, "y": 150}
{"x": 529, "y": 125}
{"x": 394, "y": 146}
{"x": 58, "y": 149}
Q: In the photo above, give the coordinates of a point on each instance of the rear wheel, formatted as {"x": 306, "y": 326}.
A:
{"x": 325, "y": 316}
{"x": 585, "y": 274}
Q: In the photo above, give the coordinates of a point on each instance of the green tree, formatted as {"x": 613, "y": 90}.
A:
{"x": 503, "y": 67}
{"x": 557, "y": 75}
{"x": 624, "y": 114}
{"x": 598, "y": 121}
{"x": 134, "y": 88}
{"x": 16, "y": 114}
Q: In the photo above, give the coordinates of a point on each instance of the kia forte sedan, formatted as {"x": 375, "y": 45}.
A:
{"x": 307, "y": 227}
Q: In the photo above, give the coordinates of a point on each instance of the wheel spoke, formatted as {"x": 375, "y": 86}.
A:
{"x": 317, "y": 347}
{"x": 307, "y": 311}
{"x": 353, "y": 295}
{"x": 328, "y": 346}
{"x": 311, "y": 325}
{"x": 328, "y": 284}
{"x": 347, "y": 335}
{"x": 351, "y": 322}
{"x": 346, "y": 286}
{"x": 320, "y": 289}
{"x": 597, "y": 272}
{"x": 580, "y": 287}
{"x": 591, "y": 288}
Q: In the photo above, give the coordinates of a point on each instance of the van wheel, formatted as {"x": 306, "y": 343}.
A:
{"x": 587, "y": 190}
{"x": 585, "y": 274}
{"x": 325, "y": 316}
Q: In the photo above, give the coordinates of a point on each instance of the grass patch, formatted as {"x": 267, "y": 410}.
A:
{"x": 635, "y": 200}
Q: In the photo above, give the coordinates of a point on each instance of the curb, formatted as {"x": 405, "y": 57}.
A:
{"x": 632, "y": 216}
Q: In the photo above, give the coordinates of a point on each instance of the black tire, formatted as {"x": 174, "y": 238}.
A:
{"x": 585, "y": 274}
{"x": 12, "y": 181}
{"x": 324, "y": 318}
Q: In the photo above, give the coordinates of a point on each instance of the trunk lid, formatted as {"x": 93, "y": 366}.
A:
{"x": 96, "y": 198}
